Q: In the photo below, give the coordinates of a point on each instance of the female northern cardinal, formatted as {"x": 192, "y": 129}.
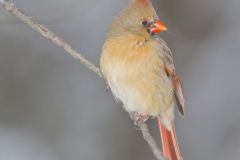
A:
{"x": 139, "y": 69}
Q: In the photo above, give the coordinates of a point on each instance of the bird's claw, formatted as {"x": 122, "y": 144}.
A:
{"x": 139, "y": 118}
{"x": 108, "y": 88}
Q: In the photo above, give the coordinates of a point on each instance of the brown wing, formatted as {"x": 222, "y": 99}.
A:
{"x": 170, "y": 70}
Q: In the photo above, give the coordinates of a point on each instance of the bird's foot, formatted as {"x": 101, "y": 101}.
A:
{"x": 139, "y": 118}
{"x": 108, "y": 88}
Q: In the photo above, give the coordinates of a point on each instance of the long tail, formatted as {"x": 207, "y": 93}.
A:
{"x": 170, "y": 146}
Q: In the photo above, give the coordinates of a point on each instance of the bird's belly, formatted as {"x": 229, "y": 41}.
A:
{"x": 140, "y": 90}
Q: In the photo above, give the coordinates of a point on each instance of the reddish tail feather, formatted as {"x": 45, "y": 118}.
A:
{"x": 170, "y": 146}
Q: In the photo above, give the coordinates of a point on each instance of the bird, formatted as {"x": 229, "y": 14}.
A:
{"x": 139, "y": 69}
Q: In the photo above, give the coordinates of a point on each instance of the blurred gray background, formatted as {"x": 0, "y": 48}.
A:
{"x": 53, "y": 108}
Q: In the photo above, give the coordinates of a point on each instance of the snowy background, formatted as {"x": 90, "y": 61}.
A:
{"x": 53, "y": 108}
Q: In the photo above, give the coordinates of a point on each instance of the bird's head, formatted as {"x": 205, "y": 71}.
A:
{"x": 138, "y": 18}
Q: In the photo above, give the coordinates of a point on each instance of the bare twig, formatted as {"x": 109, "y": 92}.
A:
{"x": 148, "y": 137}
{"x": 151, "y": 142}
{"x": 9, "y": 6}
{"x": 49, "y": 35}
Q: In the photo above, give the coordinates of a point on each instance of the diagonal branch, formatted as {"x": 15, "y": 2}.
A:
{"x": 151, "y": 142}
{"x": 9, "y": 6}
{"x": 149, "y": 139}
{"x": 41, "y": 29}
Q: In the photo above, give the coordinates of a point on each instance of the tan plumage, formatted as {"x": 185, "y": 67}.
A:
{"x": 138, "y": 66}
{"x": 136, "y": 74}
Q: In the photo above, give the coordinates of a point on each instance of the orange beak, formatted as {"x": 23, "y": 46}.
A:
{"x": 157, "y": 27}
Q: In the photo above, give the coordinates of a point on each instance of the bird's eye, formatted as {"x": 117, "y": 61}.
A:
{"x": 145, "y": 23}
